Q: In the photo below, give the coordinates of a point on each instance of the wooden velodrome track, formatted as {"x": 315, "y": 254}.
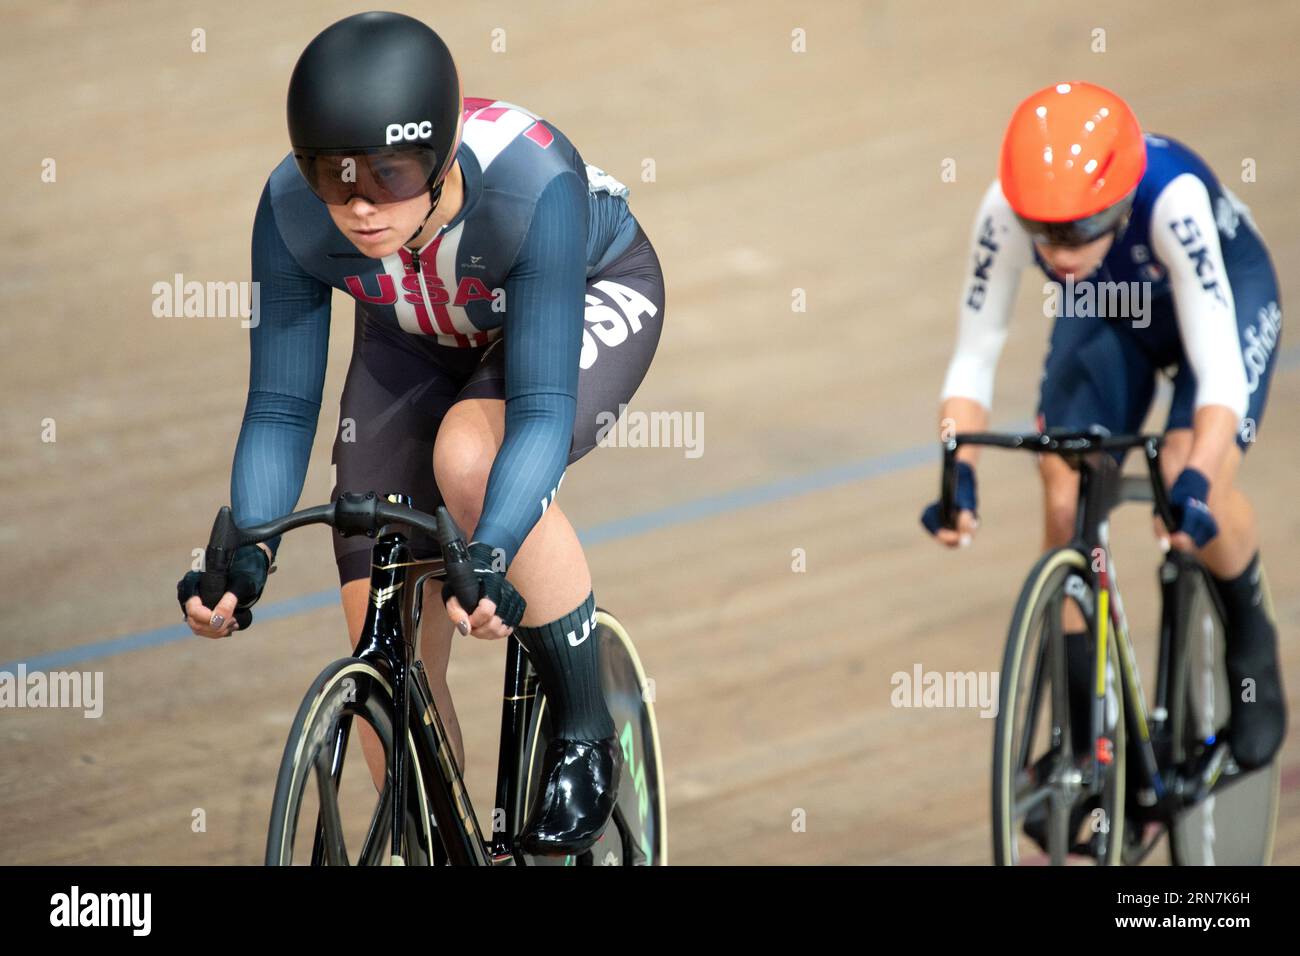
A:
{"x": 774, "y": 171}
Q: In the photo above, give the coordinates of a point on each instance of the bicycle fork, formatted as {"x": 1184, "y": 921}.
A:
{"x": 1112, "y": 624}
{"x": 384, "y": 640}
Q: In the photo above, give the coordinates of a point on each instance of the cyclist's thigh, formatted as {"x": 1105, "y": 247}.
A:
{"x": 1095, "y": 373}
{"x": 397, "y": 391}
{"x": 1259, "y": 328}
{"x": 624, "y": 317}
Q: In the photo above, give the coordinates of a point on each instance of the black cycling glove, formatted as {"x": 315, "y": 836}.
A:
{"x": 245, "y": 580}
{"x": 492, "y": 584}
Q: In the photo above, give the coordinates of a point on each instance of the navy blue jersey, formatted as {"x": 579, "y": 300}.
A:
{"x": 1172, "y": 279}
{"x": 1130, "y": 259}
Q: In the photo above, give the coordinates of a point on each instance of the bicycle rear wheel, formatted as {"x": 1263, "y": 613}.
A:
{"x": 1236, "y": 824}
{"x": 318, "y": 811}
{"x": 638, "y": 833}
{"x": 1043, "y": 792}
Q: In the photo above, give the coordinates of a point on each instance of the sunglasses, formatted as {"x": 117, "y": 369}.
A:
{"x": 1080, "y": 232}
{"x": 378, "y": 176}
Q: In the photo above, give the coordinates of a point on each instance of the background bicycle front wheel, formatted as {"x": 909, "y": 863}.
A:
{"x": 1235, "y": 825}
{"x": 638, "y": 833}
{"x": 326, "y": 810}
{"x": 1048, "y": 807}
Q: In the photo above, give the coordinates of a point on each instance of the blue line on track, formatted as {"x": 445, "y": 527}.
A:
{"x": 699, "y": 509}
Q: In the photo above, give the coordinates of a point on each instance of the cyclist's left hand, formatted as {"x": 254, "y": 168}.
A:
{"x": 500, "y": 607}
{"x": 244, "y": 582}
{"x": 1187, "y": 500}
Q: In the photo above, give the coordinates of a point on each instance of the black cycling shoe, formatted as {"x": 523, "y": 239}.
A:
{"x": 579, "y": 787}
{"x": 1258, "y": 726}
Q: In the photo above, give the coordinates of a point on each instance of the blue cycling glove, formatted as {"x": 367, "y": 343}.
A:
{"x": 1187, "y": 501}
{"x": 965, "y": 500}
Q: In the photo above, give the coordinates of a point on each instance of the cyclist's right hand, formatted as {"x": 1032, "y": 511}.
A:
{"x": 967, "y": 518}
{"x": 245, "y": 581}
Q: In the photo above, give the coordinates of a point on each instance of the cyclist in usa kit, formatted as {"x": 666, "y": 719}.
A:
{"x": 505, "y": 298}
{"x": 1110, "y": 215}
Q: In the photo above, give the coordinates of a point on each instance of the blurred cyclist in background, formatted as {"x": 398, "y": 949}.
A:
{"x": 1112, "y": 216}
{"x": 505, "y": 298}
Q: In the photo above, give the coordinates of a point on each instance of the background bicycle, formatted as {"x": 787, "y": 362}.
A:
{"x": 1105, "y": 780}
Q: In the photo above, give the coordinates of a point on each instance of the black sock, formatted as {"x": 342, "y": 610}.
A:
{"x": 1258, "y": 710}
{"x": 1079, "y": 665}
{"x": 1243, "y": 597}
{"x": 567, "y": 660}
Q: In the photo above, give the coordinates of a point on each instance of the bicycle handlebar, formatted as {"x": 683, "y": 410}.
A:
{"x": 352, "y": 513}
{"x": 1066, "y": 444}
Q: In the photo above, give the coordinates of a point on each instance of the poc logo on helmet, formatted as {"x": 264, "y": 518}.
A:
{"x": 398, "y": 132}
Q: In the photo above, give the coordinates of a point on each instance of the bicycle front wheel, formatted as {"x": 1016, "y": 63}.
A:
{"x": 638, "y": 833}
{"x": 1050, "y": 803}
{"x": 318, "y": 811}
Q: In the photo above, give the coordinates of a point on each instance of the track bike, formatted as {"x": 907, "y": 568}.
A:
{"x": 1149, "y": 771}
{"x": 422, "y": 814}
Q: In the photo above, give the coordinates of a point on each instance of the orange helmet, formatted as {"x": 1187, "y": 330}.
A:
{"x": 1072, "y": 157}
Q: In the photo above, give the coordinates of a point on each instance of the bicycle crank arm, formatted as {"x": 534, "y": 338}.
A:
{"x": 1193, "y": 787}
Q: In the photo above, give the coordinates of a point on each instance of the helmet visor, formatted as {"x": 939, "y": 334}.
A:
{"x": 1079, "y": 232}
{"x": 379, "y": 176}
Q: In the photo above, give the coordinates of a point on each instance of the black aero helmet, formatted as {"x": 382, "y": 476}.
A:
{"x": 382, "y": 90}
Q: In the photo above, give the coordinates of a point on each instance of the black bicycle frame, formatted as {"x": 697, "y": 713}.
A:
{"x": 1102, "y": 487}
{"x": 387, "y": 644}
{"x": 384, "y": 638}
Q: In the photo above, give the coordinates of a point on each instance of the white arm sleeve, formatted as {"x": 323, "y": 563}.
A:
{"x": 999, "y": 251}
{"x": 1185, "y": 238}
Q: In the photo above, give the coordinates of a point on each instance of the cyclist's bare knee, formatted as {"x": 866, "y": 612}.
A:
{"x": 1230, "y": 552}
{"x": 463, "y": 454}
{"x": 1223, "y": 486}
{"x": 1060, "y": 500}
